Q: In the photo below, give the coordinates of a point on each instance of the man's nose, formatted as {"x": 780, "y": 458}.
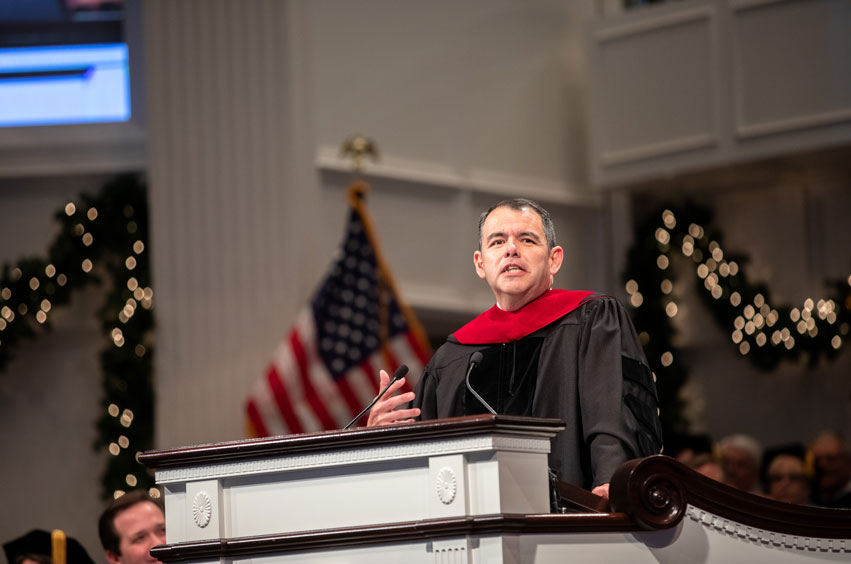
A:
{"x": 510, "y": 247}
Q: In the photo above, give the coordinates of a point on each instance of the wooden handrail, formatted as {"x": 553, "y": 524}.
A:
{"x": 655, "y": 492}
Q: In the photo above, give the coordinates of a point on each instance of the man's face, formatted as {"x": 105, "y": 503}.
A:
{"x": 514, "y": 258}
{"x": 787, "y": 480}
{"x": 140, "y": 528}
{"x": 833, "y": 464}
{"x": 740, "y": 469}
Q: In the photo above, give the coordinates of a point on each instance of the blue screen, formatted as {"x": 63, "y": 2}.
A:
{"x": 64, "y": 84}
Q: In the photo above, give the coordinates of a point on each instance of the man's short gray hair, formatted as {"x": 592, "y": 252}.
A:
{"x": 746, "y": 443}
{"x": 521, "y": 204}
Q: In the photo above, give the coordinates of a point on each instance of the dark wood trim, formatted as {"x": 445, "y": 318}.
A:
{"x": 352, "y": 438}
{"x": 413, "y": 531}
{"x": 655, "y": 491}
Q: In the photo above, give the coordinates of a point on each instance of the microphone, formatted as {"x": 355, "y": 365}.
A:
{"x": 475, "y": 359}
{"x": 398, "y": 375}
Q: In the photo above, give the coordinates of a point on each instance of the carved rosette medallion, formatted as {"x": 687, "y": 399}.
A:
{"x": 202, "y": 509}
{"x": 447, "y": 485}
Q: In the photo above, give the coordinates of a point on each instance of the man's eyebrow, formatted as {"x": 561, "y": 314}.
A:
{"x": 500, "y": 234}
{"x": 531, "y": 234}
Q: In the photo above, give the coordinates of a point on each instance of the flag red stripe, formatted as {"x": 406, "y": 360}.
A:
{"x": 372, "y": 375}
{"x": 417, "y": 347}
{"x": 282, "y": 399}
{"x": 349, "y": 396}
{"x": 256, "y": 419}
{"x": 310, "y": 394}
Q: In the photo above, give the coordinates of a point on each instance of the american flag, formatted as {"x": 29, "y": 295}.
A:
{"x": 326, "y": 370}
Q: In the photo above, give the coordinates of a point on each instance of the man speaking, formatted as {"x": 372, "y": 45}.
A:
{"x": 544, "y": 353}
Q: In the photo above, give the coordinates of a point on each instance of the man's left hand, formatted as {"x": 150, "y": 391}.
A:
{"x": 384, "y": 411}
{"x": 602, "y": 490}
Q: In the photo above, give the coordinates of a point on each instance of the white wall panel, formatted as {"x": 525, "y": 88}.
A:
{"x": 222, "y": 246}
{"x": 657, "y": 87}
{"x": 686, "y": 86}
{"x": 807, "y": 43}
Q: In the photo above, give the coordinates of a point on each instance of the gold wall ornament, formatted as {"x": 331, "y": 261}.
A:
{"x": 357, "y": 147}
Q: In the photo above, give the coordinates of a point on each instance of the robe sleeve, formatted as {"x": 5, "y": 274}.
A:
{"x": 616, "y": 391}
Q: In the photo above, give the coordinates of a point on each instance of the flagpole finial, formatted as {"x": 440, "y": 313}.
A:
{"x": 357, "y": 148}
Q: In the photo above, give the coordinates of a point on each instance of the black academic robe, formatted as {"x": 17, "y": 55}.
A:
{"x": 586, "y": 368}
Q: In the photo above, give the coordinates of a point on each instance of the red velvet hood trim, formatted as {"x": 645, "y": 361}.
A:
{"x": 498, "y": 326}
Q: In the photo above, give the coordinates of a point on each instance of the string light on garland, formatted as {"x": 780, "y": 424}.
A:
{"x": 102, "y": 237}
{"x": 764, "y": 332}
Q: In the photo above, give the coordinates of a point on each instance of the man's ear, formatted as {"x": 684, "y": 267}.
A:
{"x": 556, "y": 258}
{"x": 479, "y": 264}
{"x": 113, "y": 558}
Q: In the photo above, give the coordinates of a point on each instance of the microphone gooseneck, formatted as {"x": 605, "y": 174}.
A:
{"x": 475, "y": 359}
{"x": 398, "y": 375}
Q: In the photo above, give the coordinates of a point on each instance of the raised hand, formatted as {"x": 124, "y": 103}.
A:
{"x": 384, "y": 412}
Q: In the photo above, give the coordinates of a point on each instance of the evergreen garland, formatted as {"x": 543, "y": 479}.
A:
{"x": 762, "y": 331}
{"x": 103, "y": 240}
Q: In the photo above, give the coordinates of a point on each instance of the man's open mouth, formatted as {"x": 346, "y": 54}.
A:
{"x": 512, "y": 268}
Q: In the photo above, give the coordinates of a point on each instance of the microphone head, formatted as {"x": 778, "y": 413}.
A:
{"x": 476, "y": 357}
{"x": 400, "y": 372}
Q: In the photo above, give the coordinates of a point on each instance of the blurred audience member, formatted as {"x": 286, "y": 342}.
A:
{"x": 832, "y": 470}
{"x": 130, "y": 527}
{"x": 706, "y": 465}
{"x": 788, "y": 478}
{"x": 741, "y": 461}
{"x": 42, "y": 547}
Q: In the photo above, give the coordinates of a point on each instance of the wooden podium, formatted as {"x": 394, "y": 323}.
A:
{"x": 464, "y": 490}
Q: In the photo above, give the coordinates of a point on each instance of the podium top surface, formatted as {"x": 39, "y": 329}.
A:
{"x": 359, "y": 437}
